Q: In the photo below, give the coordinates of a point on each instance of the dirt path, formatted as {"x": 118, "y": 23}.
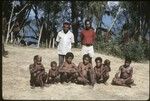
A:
{"x": 15, "y": 79}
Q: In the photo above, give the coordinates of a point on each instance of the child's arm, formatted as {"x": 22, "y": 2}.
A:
{"x": 49, "y": 73}
{"x": 109, "y": 68}
{"x": 90, "y": 66}
{"x": 117, "y": 75}
{"x": 41, "y": 69}
{"x": 103, "y": 69}
{"x": 80, "y": 69}
{"x": 32, "y": 69}
{"x": 130, "y": 74}
{"x": 74, "y": 68}
{"x": 63, "y": 69}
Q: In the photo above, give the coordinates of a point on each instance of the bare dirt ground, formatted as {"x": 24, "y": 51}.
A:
{"x": 15, "y": 79}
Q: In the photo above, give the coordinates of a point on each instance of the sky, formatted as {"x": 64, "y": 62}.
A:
{"x": 108, "y": 20}
{"x": 112, "y": 3}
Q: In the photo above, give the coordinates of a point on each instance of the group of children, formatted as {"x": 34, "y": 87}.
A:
{"x": 84, "y": 73}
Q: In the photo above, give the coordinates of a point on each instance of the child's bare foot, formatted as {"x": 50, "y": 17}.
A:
{"x": 32, "y": 87}
{"x": 127, "y": 85}
{"x": 46, "y": 85}
{"x": 133, "y": 84}
{"x": 42, "y": 87}
{"x": 105, "y": 83}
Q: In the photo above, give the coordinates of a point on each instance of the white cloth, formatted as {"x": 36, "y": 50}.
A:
{"x": 88, "y": 50}
{"x": 65, "y": 41}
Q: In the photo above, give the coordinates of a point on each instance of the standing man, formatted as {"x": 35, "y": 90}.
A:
{"x": 87, "y": 39}
{"x": 64, "y": 39}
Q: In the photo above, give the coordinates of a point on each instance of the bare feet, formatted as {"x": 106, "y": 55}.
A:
{"x": 46, "y": 85}
{"x": 105, "y": 83}
{"x": 133, "y": 84}
{"x": 32, "y": 87}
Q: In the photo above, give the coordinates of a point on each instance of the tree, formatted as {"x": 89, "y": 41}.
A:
{"x": 138, "y": 18}
{"x": 18, "y": 13}
{"x": 97, "y": 9}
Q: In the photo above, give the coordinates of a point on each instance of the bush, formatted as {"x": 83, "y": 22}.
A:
{"x": 146, "y": 51}
{"x": 137, "y": 51}
{"x": 134, "y": 50}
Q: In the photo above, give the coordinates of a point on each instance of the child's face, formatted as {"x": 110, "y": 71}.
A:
{"x": 86, "y": 60}
{"x": 69, "y": 60}
{"x": 98, "y": 63}
{"x": 38, "y": 61}
{"x": 108, "y": 64}
{"x": 54, "y": 66}
{"x": 127, "y": 63}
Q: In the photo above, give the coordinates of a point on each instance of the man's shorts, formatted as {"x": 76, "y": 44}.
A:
{"x": 88, "y": 50}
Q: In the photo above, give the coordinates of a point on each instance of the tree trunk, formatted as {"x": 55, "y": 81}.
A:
{"x": 74, "y": 21}
{"x": 25, "y": 15}
{"x": 50, "y": 43}
{"x": 11, "y": 37}
{"x": 53, "y": 42}
{"x": 46, "y": 43}
{"x": 8, "y": 30}
{"x": 40, "y": 36}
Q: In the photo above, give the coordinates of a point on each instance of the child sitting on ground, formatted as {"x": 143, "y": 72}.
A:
{"x": 37, "y": 71}
{"x": 68, "y": 71}
{"x": 53, "y": 75}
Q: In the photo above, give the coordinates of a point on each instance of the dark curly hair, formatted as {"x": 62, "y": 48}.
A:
{"x": 53, "y": 62}
{"x": 37, "y": 57}
{"x": 107, "y": 61}
{"x": 128, "y": 59}
{"x": 87, "y": 56}
{"x": 98, "y": 58}
{"x": 69, "y": 54}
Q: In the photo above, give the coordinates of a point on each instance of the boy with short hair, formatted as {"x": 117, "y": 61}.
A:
{"x": 53, "y": 75}
{"x": 86, "y": 72}
{"x": 68, "y": 71}
{"x": 37, "y": 71}
{"x": 98, "y": 69}
{"x": 124, "y": 76}
{"x": 105, "y": 71}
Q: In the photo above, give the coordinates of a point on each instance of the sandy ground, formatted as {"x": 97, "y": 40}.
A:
{"x": 15, "y": 79}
